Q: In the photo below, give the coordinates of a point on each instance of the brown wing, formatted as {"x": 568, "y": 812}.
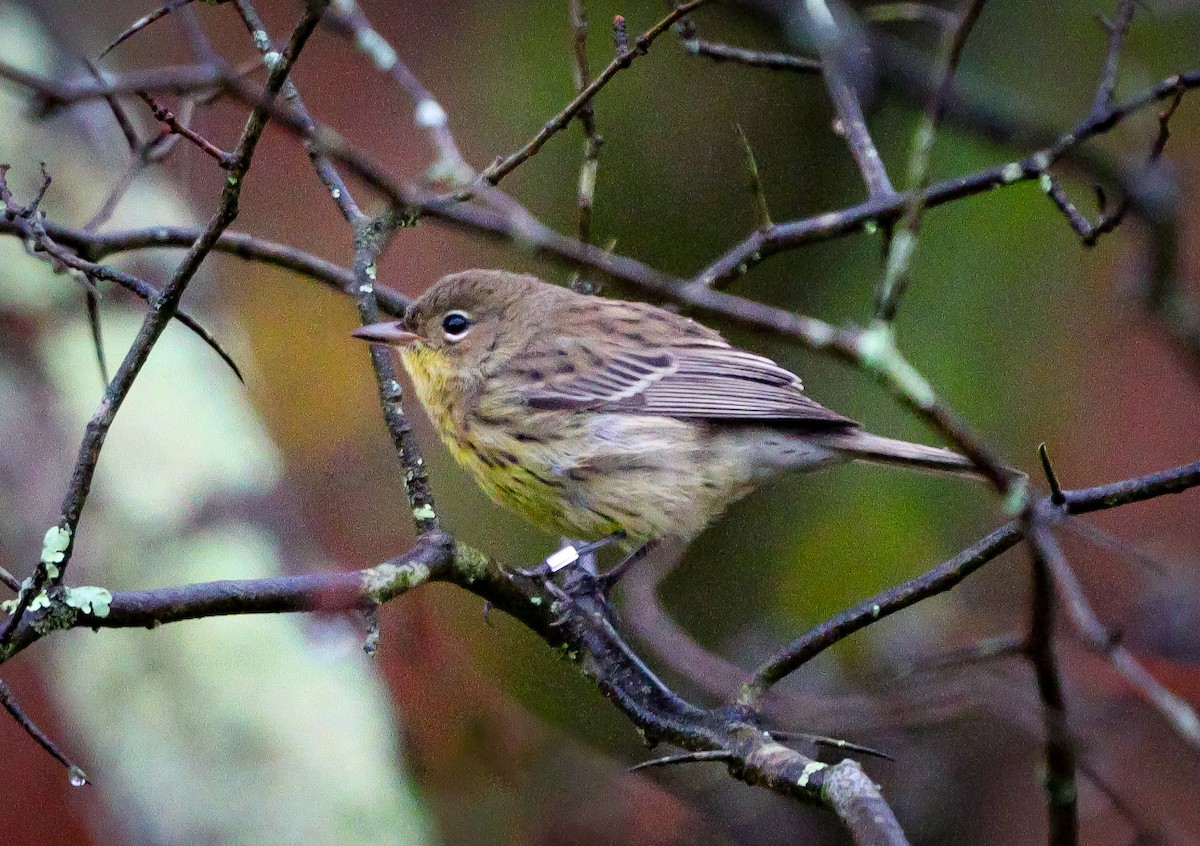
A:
{"x": 705, "y": 378}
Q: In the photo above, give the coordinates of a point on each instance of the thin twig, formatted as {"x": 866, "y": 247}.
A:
{"x": 941, "y": 578}
{"x": 873, "y": 213}
{"x": 684, "y": 758}
{"x": 32, "y": 227}
{"x": 1096, "y": 637}
{"x": 903, "y": 244}
{"x": 371, "y": 236}
{"x": 1117, "y": 28}
{"x": 946, "y": 575}
{"x": 177, "y": 127}
{"x": 143, "y": 22}
{"x": 499, "y": 169}
{"x": 77, "y": 776}
{"x": 589, "y": 167}
{"x": 833, "y": 46}
{"x": 718, "y": 52}
{"x": 347, "y": 19}
{"x": 166, "y": 303}
{"x": 1061, "y": 793}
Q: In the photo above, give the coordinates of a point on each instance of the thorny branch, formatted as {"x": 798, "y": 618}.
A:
{"x": 585, "y": 631}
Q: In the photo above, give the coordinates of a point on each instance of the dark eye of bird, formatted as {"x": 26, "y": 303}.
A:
{"x": 455, "y": 325}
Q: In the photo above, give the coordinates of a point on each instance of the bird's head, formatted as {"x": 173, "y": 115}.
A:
{"x": 470, "y": 319}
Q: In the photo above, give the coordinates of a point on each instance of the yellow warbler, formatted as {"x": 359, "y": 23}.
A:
{"x": 594, "y": 417}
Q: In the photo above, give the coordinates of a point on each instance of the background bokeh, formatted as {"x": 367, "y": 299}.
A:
{"x": 461, "y": 731}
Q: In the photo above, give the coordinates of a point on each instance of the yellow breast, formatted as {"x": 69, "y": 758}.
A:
{"x": 576, "y": 473}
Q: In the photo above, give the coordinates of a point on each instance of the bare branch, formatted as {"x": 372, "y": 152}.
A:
{"x": 499, "y": 169}
{"x": 838, "y": 65}
{"x": 945, "y": 576}
{"x": 718, "y": 52}
{"x": 1061, "y": 792}
{"x": 77, "y": 776}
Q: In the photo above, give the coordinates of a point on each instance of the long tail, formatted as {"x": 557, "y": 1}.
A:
{"x": 864, "y": 446}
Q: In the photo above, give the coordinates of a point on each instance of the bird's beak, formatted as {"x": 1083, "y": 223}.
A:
{"x": 388, "y": 332}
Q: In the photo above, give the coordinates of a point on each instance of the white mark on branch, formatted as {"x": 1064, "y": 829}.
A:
{"x": 430, "y": 115}
{"x": 810, "y": 770}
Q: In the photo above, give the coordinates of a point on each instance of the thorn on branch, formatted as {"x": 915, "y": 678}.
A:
{"x": 756, "y": 186}
{"x": 92, "y": 302}
{"x": 1056, "y": 494}
{"x": 830, "y": 743}
{"x": 684, "y": 758}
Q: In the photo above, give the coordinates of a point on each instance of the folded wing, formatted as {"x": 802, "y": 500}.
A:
{"x": 700, "y": 378}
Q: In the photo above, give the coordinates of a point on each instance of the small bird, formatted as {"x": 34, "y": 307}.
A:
{"x": 601, "y": 419}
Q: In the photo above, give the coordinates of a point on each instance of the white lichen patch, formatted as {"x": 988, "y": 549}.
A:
{"x": 877, "y": 350}
{"x": 386, "y": 580}
{"x": 810, "y": 769}
{"x": 89, "y": 600}
{"x": 54, "y": 549}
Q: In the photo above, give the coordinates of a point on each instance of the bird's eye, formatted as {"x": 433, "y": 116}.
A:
{"x": 456, "y": 325}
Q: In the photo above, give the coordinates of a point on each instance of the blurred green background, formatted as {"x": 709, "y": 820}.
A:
{"x": 276, "y": 731}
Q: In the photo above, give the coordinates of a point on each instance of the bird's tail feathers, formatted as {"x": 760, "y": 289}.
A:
{"x": 863, "y": 446}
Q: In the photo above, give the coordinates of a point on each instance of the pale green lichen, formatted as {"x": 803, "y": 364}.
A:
{"x": 384, "y": 581}
{"x": 877, "y": 350}
{"x": 424, "y": 512}
{"x": 55, "y": 545}
{"x": 810, "y": 769}
{"x": 89, "y": 599}
{"x": 1046, "y": 182}
{"x": 904, "y": 245}
{"x": 1012, "y": 172}
{"x": 470, "y": 563}
{"x": 1018, "y": 496}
